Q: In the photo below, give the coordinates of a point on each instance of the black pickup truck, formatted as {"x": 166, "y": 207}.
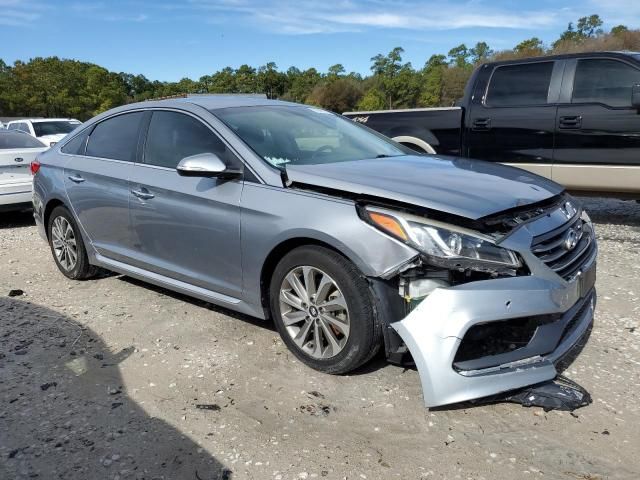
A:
{"x": 572, "y": 118}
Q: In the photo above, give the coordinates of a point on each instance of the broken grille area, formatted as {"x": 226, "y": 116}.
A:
{"x": 490, "y": 344}
{"x": 566, "y": 249}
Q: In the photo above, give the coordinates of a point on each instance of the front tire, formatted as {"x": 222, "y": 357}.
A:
{"x": 67, "y": 246}
{"x": 323, "y": 309}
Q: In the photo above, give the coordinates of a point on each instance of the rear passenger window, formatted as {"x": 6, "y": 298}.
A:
{"x": 604, "y": 81}
{"x": 116, "y": 138}
{"x": 173, "y": 136}
{"x": 525, "y": 84}
{"x": 77, "y": 145}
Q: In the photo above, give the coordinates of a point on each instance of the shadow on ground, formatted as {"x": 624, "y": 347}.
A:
{"x": 16, "y": 219}
{"x": 612, "y": 210}
{"x": 65, "y": 413}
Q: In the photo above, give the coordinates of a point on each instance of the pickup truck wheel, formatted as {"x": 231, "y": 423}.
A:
{"x": 67, "y": 246}
{"x": 322, "y": 308}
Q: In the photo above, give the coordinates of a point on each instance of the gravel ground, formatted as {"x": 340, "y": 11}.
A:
{"x": 112, "y": 378}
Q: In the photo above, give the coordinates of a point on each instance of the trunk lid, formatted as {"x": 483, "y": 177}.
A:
{"x": 14, "y": 164}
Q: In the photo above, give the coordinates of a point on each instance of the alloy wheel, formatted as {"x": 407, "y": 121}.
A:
{"x": 64, "y": 243}
{"x": 314, "y": 312}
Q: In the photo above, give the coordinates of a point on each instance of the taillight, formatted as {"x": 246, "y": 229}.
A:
{"x": 35, "y": 167}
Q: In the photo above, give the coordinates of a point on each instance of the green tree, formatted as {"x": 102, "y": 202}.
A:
{"x": 531, "y": 47}
{"x": 339, "y": 95}
{"x": 589, "y": 26}
{"x": 245, "y": 80}
{"x": 432, "y": 80}
{"x": 374, "y": 99}
{"x": 336, "y": 70}
{"x": 480, "y": 53}
{"x": 386, "y": 69}
{"x": 270, "y": 81}
{"x": 459, "y": 56}
{"x": 618, "y": 30}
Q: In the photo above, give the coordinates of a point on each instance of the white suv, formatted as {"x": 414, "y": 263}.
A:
{"x": 48, "y": 130}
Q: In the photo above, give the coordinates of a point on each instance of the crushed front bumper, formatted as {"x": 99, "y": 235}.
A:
{"x": 435, "y": 329}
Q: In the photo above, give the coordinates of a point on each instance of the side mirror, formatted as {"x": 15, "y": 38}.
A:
{"x": 635, "y": 96}
{"x": 205, "y": 165}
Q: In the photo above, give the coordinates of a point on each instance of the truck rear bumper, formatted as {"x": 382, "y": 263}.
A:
{"x": 440, "y": 330}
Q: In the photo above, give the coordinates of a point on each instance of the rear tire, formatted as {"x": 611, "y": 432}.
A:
{"x": 323, "y": 309}
{"x": 67, "y": 247}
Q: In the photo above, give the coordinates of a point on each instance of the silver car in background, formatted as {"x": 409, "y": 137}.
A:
{"x": 483, "y": 275}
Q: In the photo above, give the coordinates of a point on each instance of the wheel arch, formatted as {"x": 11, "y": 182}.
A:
{"x": 51, "y": 205}
{"x": 278, "y": 252}
{"x": 410, "y": 142}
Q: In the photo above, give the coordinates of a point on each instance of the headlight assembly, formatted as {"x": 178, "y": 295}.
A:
{"x": 441, "y": 242}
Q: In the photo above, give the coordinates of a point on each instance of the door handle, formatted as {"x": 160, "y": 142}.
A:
{"x": 144, "y": 195}
{"x": 480, "y": 124}
{"x": 76, "y": 178}
{"x": 570, "y": 122}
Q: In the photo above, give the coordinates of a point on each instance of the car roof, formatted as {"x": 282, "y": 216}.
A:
{"x": 566, "y": 56}
{"x": 212, "y": 102}
{"x": 37, "y": 120}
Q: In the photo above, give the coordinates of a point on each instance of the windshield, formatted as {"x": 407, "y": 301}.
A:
{"x": 10, "y": 139}
{"x": 54, "y": 127}
{"x": 305, "y": 135}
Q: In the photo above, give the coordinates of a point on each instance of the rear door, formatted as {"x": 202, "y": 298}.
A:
{"x": 512, "y": 119}
{"x": 598, "y": 132}
{"x": 186, "y": 228}
{"x": 100, "y": 162}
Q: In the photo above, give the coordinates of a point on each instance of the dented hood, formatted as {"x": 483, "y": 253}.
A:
{"x": 459, "y": 186}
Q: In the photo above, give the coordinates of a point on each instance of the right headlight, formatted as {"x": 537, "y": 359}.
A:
{"x": 445, "y": 242}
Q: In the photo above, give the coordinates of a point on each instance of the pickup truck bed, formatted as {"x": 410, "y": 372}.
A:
{"x": 428, "y": 130}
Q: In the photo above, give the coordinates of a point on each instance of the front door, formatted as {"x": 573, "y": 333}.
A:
{"x": 598, "y": 132}
{"x": 186, "y": 228}
{"x": 513, "y": 121}
{"x": 96, "y": 178}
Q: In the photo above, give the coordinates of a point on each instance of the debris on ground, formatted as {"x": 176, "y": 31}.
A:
{"x": 557, "y": 394}
{"x": 208, "y": 406}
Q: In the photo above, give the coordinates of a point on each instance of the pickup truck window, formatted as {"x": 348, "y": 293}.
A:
{"x": 518, "y": 85}
{"x": 604, "y": 81}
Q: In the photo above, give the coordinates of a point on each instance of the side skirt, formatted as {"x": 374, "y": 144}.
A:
{"x": 177, "y": 286}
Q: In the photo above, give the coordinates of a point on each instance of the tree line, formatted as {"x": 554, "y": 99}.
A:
{"x": 52, "y": 87}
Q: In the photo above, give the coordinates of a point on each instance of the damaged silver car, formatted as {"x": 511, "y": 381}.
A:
{"x": 483, "y": 275}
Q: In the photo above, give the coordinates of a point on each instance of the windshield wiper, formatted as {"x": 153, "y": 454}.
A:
{"x": 384, "y": 155}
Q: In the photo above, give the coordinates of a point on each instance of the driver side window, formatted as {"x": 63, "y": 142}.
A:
{"x": 604, "y": 81}
{"x": 173, "y": 136}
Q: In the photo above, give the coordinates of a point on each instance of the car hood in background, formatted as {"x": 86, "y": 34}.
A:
{"x": 459, "y": 186}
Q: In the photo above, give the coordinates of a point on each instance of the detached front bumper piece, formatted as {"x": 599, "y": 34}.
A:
{"x": 541, "y": 320}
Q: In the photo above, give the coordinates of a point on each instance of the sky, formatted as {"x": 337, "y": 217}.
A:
{"x": 171, "y": 39}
